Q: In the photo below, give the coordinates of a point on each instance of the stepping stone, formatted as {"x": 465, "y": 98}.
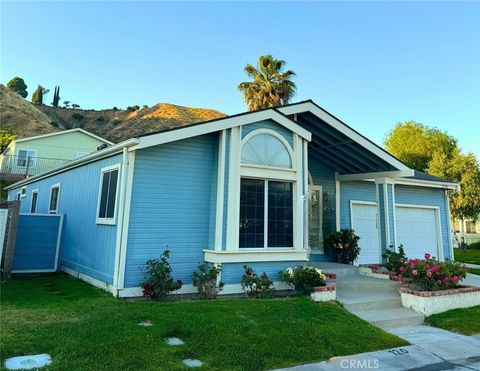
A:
{"x": 146, "y": 324}
{"x": 193, "y": 362}
{"x": 174, "y": 341}
{"x": 28, "y": 362}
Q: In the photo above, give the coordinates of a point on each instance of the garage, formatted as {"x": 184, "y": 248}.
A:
{"x": 418, "y": 230}
{"x": 364, "y": 223}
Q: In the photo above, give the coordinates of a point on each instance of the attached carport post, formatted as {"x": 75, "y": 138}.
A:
{"x": 385, "y": 193}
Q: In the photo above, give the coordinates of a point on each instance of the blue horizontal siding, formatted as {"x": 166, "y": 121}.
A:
{"x": 269, "y": 124}
{"x": 86, "y": 246}
{"x": 174, "y": 188}
{"x": 429, "y": 197}
{"x": 232, "y": 272}
{"x": 356, "y": 191}
{"x": 36, "y": 244}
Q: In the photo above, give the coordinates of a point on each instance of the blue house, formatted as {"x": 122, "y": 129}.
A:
{"x": 260, "y": 188}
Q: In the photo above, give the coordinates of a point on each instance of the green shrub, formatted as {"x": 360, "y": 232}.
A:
{"x": 343, "y": 246}
{"x": 303, "y": 279}
{"x": 115, "y": 108}
{"x": 77, "y": 116}
{"x": 116, "y": 121}
{"x": 256, "y": 286}
{"x": 158, "y": 278}
{"x": 206, "y": 281}
{"x": 54, "y": 124}
{"x": 133, "y": 108}
{"x": 101, "y": 119}
{"x": 394, "y": 260}
{"x": 474, "y": 245}
{"x": 429, "y": 274}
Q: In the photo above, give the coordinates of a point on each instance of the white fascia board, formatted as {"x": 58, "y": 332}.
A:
{"x": 428, "y": 183}
{"x": 375, "y": 175}
{"x": 340, "y": 126}
{"x": 222, "y": 124}
{"x": 94, "y": 156}
{"x": 65, "y": 132}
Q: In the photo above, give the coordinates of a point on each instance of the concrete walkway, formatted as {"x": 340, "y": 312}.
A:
{"x": 432, "y": 349}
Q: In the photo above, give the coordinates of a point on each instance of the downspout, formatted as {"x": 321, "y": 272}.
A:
{"x": 121, "y": 210}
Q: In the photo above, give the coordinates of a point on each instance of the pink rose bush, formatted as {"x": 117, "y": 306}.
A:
{"x": 429, "y": 274}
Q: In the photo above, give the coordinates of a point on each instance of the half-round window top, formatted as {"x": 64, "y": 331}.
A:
{"x": 266, "y": 150}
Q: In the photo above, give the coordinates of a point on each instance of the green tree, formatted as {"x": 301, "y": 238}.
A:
{"x": 37, "y": 96}
{"x": 271, "y": 86}
{"x": 465, "y": 170}
{"x": 5, "y": 138}
{"x": 66, "y": 104}
{"x": 56, "y": 96}
{"x": 18, "y": 86}
{"x": 415, "y": 144}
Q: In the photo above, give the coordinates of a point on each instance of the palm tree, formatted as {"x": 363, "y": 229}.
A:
{"x": 271, "y": 87}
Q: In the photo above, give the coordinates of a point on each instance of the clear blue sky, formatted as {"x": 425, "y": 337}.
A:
{"x": 371, "y": 64}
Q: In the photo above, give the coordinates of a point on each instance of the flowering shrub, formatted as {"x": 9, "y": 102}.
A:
{"x": 256, "y": 286}
{"x": 394, "y": 260}
{"x": 206, "y": 281}
{"x": 343, "y": 245}
{"x": 429, "y": 274}
{"x": 303, "y": 279}
{"x": 158, "y": 278}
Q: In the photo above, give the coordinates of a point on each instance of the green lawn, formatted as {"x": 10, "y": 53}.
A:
{"x": 471, "y": 256}
{"x": 84, "y": 328}
{"x": 464, "y": 321}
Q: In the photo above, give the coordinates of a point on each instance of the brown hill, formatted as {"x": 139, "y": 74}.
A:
{"x": 25, "y": 119}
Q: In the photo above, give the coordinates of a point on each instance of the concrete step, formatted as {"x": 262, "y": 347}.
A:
{"x": 365, "y": 284}
{"x": 361, "y": 301}
{"x": 391, "y": 317}
{"x": 338, "y": 269}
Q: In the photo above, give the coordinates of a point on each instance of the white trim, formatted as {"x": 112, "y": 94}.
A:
{"x": 220, "y": 191}
{"x": 27, "y": 157}
{"x": 89, "y": 279}
{"x": 268, "y": 173}
{"x": 438, "y": 222}
{"x": 276, "y": 135}
{"x": 36, "y": 201}
{"x": 255, "y": 255}
{"x": 395, "y": 247}
{"x": 122, "y": 180}
{"x": 320, "y": 189}
{"x": 379, "y": 226}
{"x": 298, "y": 200}
{"x": 57, "y": 247}
{"x": 233, "y": 211}
{"x": 428, "y": 183}
{"x": 222, "y": 124}
{"x": 344, "y": 129}
{"x": 126, "y": 221}
{"x": 95, "y": 156}
{"x": 306, "y": 200}
{"x": 64, "y": 132}
{"x": 387, "y": 216}
{"x": 447, "y": 205}
{"x": 59, "y": 186}
{"x": 103, "y": 170}
{"x": 337, "y": 202}
{"x": 374, "y": 175}
{"x": 23, "y": 192}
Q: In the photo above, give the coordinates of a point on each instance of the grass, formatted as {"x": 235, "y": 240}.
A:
{"x": 464, "y": 321}
{"x": 474, "y": 271}
{"x": 471, "y": 256}
{"x": 84, "y": 328}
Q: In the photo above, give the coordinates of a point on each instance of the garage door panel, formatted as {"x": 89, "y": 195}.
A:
{"x": 417, "y": 231}
{"x": 364, "y": 222}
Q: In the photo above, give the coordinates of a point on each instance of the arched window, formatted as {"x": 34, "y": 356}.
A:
{"x": 264, "y": 149}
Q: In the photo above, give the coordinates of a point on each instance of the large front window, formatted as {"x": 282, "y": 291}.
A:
{"x": 266, "y": 213}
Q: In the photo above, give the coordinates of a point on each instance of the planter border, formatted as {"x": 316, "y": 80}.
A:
{"x": 327, "y": 292}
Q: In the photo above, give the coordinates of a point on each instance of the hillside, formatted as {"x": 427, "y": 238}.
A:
{"x": 25, "y": 119}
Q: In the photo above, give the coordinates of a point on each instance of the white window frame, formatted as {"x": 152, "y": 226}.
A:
{"x": 35, "y": 191}
{"x": 113, "y": 220}
{"x": 33, "y": 164}
{"x": 23, "y": 192}
{"x": 56, "y": 185}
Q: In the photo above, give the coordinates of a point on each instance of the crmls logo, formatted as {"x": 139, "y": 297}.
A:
{"x": 360, "y": 363}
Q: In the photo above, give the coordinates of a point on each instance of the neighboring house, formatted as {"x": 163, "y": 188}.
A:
{"x": 30, "y": 156}
{"x": 260, "y": 188}
{"x": 468, "y": 229}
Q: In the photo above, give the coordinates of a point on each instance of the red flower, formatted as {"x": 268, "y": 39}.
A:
{"x": 427, "y": 255}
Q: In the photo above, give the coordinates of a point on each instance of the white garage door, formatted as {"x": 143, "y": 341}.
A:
{"x": 364, "y": 223}
{"x": 417, "y": 231}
